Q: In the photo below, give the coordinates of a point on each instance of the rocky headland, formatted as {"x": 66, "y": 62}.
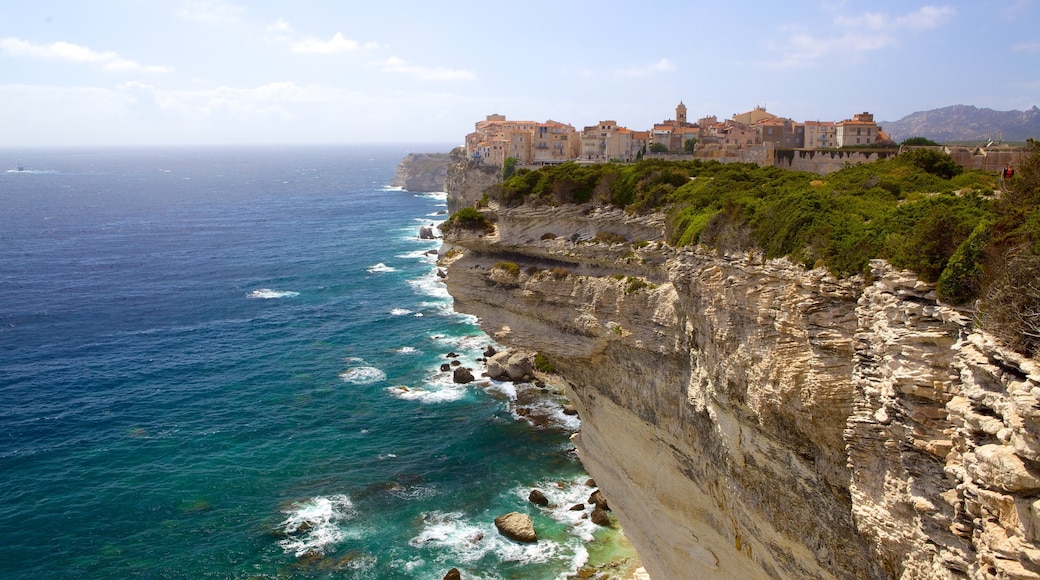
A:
{"x": 750, "y": 418}
{"x": 422, "y": 172}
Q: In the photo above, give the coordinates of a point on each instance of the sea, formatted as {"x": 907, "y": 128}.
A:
{"x": 226, "y": 362}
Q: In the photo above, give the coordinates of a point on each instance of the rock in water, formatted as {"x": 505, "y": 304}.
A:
{"x": 600, "y": 517}
{"x": 462, "y": 375}
{"x": 453, "y": 574}
{"x": 426, "y": 233}
{"x": 510, "y": 365}
{"x": 516, "y": 526}
{"x": 537, "y": 497}
{"x": 597, "y": 499}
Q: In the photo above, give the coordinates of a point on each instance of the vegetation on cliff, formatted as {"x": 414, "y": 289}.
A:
{"x": 918, "y": 210}
{"x": 468, "y": 218}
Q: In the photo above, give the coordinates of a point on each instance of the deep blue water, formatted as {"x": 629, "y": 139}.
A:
{"x": 224, "y": 363}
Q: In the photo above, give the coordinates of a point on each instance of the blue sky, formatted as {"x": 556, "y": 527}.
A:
{"x": 152, "y": 72}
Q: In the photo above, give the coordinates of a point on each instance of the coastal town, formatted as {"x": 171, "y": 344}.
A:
{"x": 756, "y": 136}
{"x": 532, "y": 143}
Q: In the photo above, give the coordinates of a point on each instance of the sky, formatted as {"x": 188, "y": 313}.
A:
{"x": 197, "y": 72}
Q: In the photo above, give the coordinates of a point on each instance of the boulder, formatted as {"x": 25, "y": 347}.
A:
{"x": 462, "y": 375}
{"x": 453, "y": 574}
{"x": 538, "y": 498}
{"x": 600, "y": 517}
{"x": 490, "y": 351}
{"x": 516, "y": 526}
{"x": 510, "y": 365}
{"x": 445, "y": 367}
{"x": 597, "y": 499}
{"x": 426, "y": 233}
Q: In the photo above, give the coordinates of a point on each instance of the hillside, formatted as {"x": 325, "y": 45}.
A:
{"x": 966, "y": 123}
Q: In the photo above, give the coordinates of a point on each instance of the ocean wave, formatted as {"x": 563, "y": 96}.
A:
{"x": 379, "y": 268}
{"x": 430, "y": 285}
{"x": 434, "y": 391}
{"x": 362, "y": 375}
{"x": 406, "y": 350}
{"x": 268, "y": 294}
{"x": 400, "y": 312}
{"x": 438, "y": 195}
{"x": 313, "y": 524}
{"x": 467, "y": 541}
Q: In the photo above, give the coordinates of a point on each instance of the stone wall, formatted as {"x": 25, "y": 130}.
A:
{"x": 824, "y": 161}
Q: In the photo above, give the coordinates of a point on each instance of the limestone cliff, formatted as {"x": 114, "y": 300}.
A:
{"x": 422, "y": 172}
{"x": 467, "y": 179}
{"x": 752, "y": 419}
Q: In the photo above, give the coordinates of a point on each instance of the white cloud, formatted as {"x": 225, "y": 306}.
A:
{"x": 335, "y": 45}
{"x": 211, "y": 12}
{"x": 663, "y": 65}
{"x": 858, "y": 34}
{"x": 1030, "y": 47}
{"x": 397, "y": 65}
{"x": 68, "y": 52}
{"x": 280, "y": 26}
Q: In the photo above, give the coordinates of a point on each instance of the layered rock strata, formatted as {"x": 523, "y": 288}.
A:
{"x": 748, "y": 418}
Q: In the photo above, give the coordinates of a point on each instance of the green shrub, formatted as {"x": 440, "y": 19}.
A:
{"x": 609, "y": 238}
{"x": 511, "y": 268}
{"x": 543, "y": 364}
{"x": 961, "y": 280}
{"x": 468, "y": 218}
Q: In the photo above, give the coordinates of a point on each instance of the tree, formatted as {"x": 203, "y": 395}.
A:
{"x": 689, "y": 145}
{"x": 659, "y": 148}
{"x": 508, "y": 167}
{"x": 919, "y": 142}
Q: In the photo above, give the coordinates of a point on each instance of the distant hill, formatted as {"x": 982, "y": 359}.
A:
{"x": 966, "y": 123}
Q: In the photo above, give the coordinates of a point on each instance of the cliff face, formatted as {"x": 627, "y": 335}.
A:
{"x": 467, "y": 179}
{"x": 422, "y": 172}
{"x": 752, "y": 419}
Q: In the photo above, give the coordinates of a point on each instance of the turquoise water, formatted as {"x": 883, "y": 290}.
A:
{"x": 225, "y": 363}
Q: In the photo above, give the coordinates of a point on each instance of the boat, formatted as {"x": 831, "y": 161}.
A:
{"x": 20, "y": 167}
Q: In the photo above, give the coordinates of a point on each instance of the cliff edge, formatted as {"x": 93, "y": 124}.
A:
{"x": 422, "y": 172}
{"x": 749, "y": 418}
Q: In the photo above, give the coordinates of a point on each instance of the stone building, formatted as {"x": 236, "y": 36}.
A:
{"x": 859, "y": 130}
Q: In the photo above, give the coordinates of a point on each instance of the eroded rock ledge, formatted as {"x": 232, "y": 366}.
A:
{"x": 752, "y": 419}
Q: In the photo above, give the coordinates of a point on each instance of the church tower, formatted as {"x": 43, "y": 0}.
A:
{"x": 680, "y": 113}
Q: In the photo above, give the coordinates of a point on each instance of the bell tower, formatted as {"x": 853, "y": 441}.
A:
{"x": 680, "y": 113}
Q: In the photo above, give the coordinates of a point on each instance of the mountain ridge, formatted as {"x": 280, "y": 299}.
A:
{"x": 966, "y": 123}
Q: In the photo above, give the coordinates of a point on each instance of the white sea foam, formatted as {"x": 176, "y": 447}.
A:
{"x": 362, "y": 375}
{"x": 562, "y": 496}
{"x": 268, "y": 294}
{"x": 379, "y": 268}
{"x": 423, "y": 255}
{"x": 430, "y": 285}
{"x": 438, "y": 195}
{"x": 406, "y": 350}
{"x": 313, "y": 524}
{"x": 400, "y": 311}
{"x": 468, "y": 541}
{"x": 434, "y": 390}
